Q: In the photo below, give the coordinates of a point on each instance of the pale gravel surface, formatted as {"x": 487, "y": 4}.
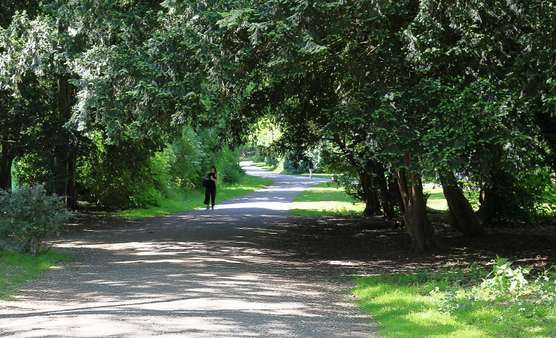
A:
{"x": 200, "y": 274}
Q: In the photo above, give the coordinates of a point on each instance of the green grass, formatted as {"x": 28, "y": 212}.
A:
{"x": 194, "y": 199}
{"x": 415, "y": 306}
{"x": 265, "y": 166}
{"x": 278, "y": 168}
{"x": 16, "y": 269}
{"x": 437, "y": 201}
{"x": 325, "y": 199}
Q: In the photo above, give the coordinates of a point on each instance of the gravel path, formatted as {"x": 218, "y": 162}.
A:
{"x": 199, "y": 274}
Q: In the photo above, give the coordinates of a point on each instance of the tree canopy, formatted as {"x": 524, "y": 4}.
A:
{"x": 389, "y": 92}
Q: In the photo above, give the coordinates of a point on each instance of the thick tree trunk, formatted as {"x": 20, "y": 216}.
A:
{"x": 415, "y": 216}
{"x": 6, "y": 159}
{"x": 463, "y": 217}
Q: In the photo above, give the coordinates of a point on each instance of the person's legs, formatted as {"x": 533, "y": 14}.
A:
{"x": 207, "y": 197}
{"x": 213, "y": 196}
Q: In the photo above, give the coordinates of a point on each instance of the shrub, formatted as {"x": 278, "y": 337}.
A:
{"x": 28, "y": 215}
{"x": 507, "y": 285}
{"x": 227, "y": 163}
{"x": 188, "y": 160}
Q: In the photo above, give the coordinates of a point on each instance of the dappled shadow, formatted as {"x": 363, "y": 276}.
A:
{"x": 205, "y": 273}
{"x": 223, "y": 287}
{"x": 244, "y": 269}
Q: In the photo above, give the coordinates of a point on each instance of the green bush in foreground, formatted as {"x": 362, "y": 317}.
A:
{"x": 508, "y": 302}
{"x": 27, "y": 216}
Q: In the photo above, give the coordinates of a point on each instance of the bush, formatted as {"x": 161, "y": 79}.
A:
{"x": 507, "y": 285}
{"x": 227, "y": 163}
{"x": 188, "y": 160}
{"x": 27, "y": 216}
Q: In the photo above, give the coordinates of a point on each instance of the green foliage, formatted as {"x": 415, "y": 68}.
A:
{"x": 462, "y": 303}
{"x": 227, "y": 164}
{"x": 508, "y": 283}
{"x": 124, "y": 176}
{"x": 193, "y": 199}
{"x": 29, "y": 215}
{"x": 189, "y": 159}
{"x": 16, "y": 269}
{"x": 141, "y": 98}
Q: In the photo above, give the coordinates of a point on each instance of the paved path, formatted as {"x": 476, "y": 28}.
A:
{"x": 200, "y": 274}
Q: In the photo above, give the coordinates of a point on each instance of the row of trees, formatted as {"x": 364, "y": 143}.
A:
{"x": 392, "y": 91}
{"x": 396, "y": 91}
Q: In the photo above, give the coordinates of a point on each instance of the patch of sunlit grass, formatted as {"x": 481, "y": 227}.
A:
{"x": 16, "y": 269}
{"x": 415, "y": 306}
{"x": 325, "y": 199}
{"x": 436, "y": 199}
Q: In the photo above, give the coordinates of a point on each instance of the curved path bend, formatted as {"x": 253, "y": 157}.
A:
{"x": 197, "y": 274}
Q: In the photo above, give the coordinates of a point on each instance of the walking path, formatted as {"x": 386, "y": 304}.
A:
{"x": 199, "y": 274}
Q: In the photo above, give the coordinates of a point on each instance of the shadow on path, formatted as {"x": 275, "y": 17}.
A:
{"x": 200, "y": 274}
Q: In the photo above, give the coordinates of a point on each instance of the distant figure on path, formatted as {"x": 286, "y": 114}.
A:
{"x": 209, "y": 182}
{"x": 311, "y": 168}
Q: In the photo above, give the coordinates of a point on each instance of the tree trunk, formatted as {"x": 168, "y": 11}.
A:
{"x": 385, "y": 196}
{"x": 372, "y": 204}
{"x": 394, "y": 191}
{"x": 65, "y": 156}
{"x": 6, "y": 159}
{"x": 415, "y": 216}
{"x": 71, "y": 189}
{"x": 463, "y": 217}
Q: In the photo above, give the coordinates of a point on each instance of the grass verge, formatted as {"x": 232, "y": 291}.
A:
{"x": 192, "y": 200}
{"x": 16, "y": 269}
{"x": 451, "y": 304}
{"x": 325, "y": 199}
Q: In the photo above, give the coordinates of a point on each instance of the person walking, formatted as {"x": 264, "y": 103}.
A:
{"x": 210, "y": 187}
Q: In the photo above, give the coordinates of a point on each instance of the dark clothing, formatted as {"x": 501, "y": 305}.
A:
{"x": 211, "y": 177}
{"x": 210, "y": 190}
{"x": 210, "y": 194}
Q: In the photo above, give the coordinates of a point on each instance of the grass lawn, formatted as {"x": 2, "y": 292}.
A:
{"x": 325, "y": 199}
{"x": 437, "y": 305}
{"x": 194, "y": 199}
{"x": 16, "y": 269}
{"x": 437, "y": 201}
